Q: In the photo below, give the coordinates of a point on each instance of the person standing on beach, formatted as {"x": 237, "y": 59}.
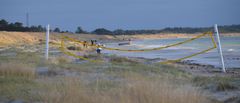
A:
{"x": 92, "y": 42}
{"x": 99, "y": 49}
{"x": 85, "y": 44}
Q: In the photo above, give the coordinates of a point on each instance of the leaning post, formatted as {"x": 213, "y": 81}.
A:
{"x": 216, "y": 33}
{"x": 47, "y": 42}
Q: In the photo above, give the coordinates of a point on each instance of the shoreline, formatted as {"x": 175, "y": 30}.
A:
{"x": 196, "y": 69}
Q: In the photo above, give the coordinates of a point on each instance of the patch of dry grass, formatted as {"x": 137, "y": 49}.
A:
{"x": 71, "y": 90}
{"x": 217, "y": 83}
{"x": 64, "y": 90}
{"x": 156, "y": 92}
{"x": 16, "y": 69}
{"x": 117, "y": 59}
{"x": 59, "y": 60}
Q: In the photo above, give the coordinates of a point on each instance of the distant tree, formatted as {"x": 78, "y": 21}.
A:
{"x": 118, "y": 32}
{"x": 40, "y": 29}
{"x": 18, "y": 24}
{"x": 3, "y": 24}
{"x": 57, "y": 30}
{"x": 102, "y": 31}
{"x": 80, "y": 30}
{"x": 33, "y": 29}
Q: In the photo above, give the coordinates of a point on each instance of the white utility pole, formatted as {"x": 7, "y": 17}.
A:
{"x": 219, "y": 46}
{"x": 47, "y": 42}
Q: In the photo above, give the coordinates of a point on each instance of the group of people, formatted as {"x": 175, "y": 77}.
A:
{"x": 94, "y": 42}
{"x": 99, "y": 49}
{"x": 85, "y": 44}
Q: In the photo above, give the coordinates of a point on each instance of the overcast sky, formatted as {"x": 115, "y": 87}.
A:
{"x": 122, "y": 14}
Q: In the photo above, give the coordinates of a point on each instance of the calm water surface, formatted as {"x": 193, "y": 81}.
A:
{"x": 230, "y": 46}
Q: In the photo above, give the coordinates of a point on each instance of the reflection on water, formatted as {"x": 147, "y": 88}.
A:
{"x": 231, "y": 50}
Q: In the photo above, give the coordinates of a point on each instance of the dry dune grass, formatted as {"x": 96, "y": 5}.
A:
{"x": 94, "y": 36}
{"x": 16, "y": 38}
{"x": 16, "y": 69}
{"x": 67, "y": 90}
{"x": 150, "y": 92}
{"x": 71, "y": 90}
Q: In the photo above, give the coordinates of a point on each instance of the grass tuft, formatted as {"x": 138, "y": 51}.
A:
{"x": 16, "y": 69}
{"x": 116, "y": 59}
{"x": 216, "y": 83}
{"x": 224, "y": 84}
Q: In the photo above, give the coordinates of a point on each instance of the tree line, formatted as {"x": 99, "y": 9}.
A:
{"x": 18, "y": 26}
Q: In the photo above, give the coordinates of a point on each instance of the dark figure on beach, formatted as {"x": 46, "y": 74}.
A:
{"x": 92, "y": 42}
{"x": 85, "y": 44}
{"x": 99, "y": 50}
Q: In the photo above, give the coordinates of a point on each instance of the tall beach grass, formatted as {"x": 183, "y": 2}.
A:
{"x": 71, "y": 90}
{"x": 17, "y": 69}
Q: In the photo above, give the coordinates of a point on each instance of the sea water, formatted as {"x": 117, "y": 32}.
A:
{"x": 230, "y": 47}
